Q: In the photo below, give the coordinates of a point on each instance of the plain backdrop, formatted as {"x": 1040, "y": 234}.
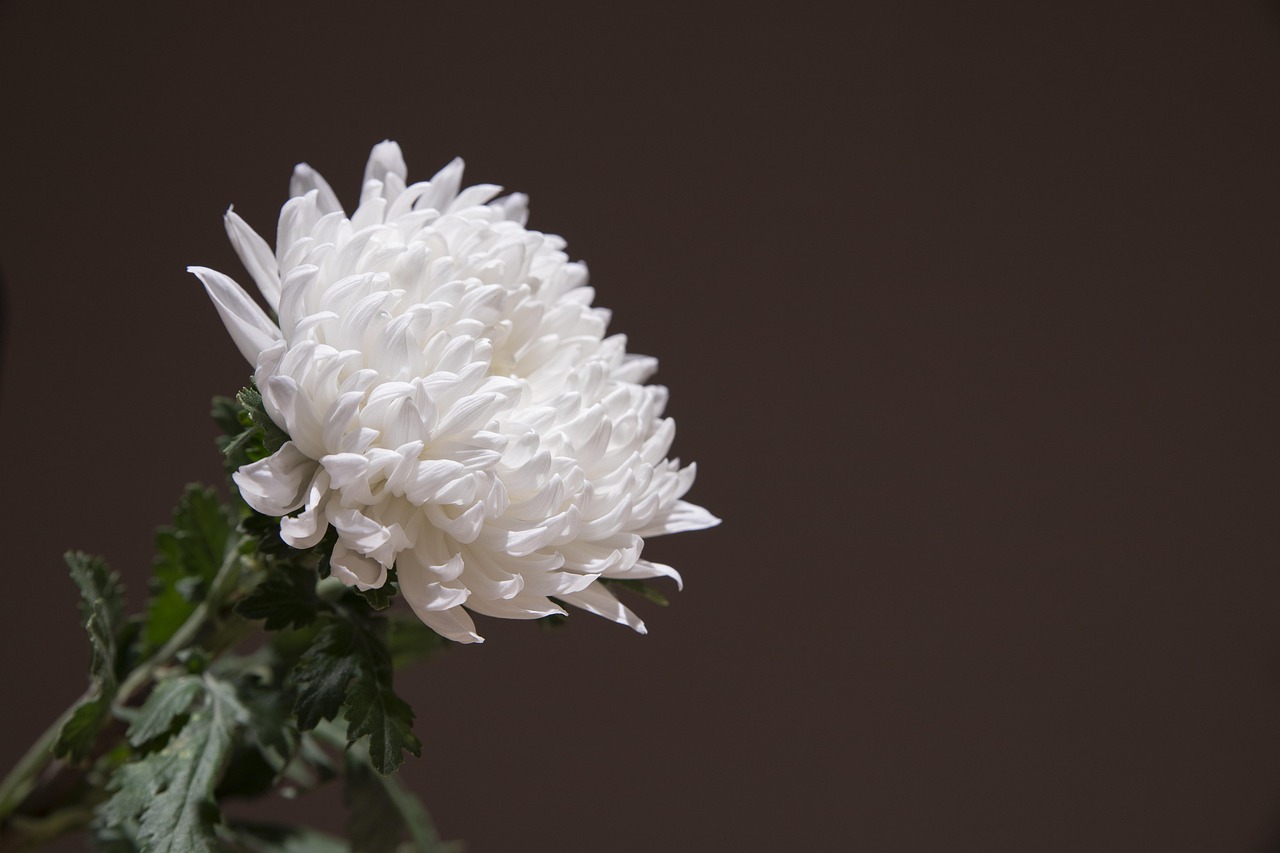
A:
{"x": 969, "y": 314}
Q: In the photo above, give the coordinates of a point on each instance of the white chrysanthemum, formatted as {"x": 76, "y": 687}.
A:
{"x": 454, "y": 407}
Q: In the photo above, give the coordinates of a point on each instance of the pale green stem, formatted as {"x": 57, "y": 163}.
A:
{"x": 186, "y": 633}
{"x": 21, "y": 780}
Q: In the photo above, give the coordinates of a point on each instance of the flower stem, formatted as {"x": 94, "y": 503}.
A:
{"x": 20, "y": 782}
{"x": 21, "y": 779}
{"x": 222, "y": 581}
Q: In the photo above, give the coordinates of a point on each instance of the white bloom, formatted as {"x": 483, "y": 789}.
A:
{"x": 454, "y": 407}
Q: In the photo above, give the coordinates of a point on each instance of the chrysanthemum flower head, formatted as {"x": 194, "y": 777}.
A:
{"x": 454, "y": 407}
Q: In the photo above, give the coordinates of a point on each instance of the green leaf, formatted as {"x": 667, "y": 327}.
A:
{"x": 169, "y": 700}
{"x": 78, "y": 733}
{"x": 237, "y": 431}
{"x": 379, "y": 597}
{"x": 271, "y": 727}
{"x": 376, "y": 712}
{"x": 101, "y": 608}
{"x": 169, "y": 793}
{"x": 270, "y": 748}
{"x": 116, "y": 838}
{"x": 286, "y": 597}
{"x": 264, "y": 531}
{"x": 323, "y": 672}
{"x": 273, "y": 438}
{"x": 350, "y": 661}
{"x": 190, "y": 554}
{"x": 226, "y": 414}
{"x": 382, "y": 812}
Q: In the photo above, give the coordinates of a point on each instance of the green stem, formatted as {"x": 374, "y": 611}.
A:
{"x": 22, "y": 778}
{"x": 225, "y": 578}
{"x": 37, "y": 831}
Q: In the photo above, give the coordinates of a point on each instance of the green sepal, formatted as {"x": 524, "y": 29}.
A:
{"x": 250, "y": 399}
{"x": 249, "y": 433}
{"x": 101, "y": 608}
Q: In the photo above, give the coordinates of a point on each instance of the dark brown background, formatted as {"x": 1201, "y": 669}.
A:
{"x": 969, "y": 312}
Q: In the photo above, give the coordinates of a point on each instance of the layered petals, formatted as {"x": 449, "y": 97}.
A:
{"x": 456, "y": 411}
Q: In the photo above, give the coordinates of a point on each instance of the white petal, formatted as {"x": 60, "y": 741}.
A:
{"x": 355, "y": 569}
{"x": 297, "y": 218}
{"x": 514, "y": 207}
{"x": 474, "y": 196}
{"x": 290, "y": 407}
{"x": 358, "y": 531}
{"x": 307, "y": 529}
{"x": 250, "y": 327}
{"x": 276, "y": 485}
{"x": 645, "y": 569}
{"x": 453, "y": 623}
{"x": 465, "y": 528}
{"x": 518, "y": 607}
{"x": 345, "y": 468}
{"x": 305, "y": 179}
{"x": 598, "y": 600}
{"x": 256, "y": 256}
{"x": 444, "y": 187}
{"x": 683, "y": 516}
{"x": 385, "y": 158}
{"x": 422, "y": 588}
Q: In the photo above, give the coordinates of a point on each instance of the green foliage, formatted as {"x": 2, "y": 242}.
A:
{"x": 286, "y": 597}
{"x": 376, "y": 712}
{"x": 226, "y": 414}
{"x": 169, "y": 700}
{"x": 273, "y": 438}
{"x": 350, "y": 663}
{"x": 383, "y": 813}
{"x": 379, "y": 598}
{"x": 190, "y": 554}
{"x": 169, "y": 793}
{"x": 199, "y": 712}
{"x": 323, "y": 673}
{"x": 264, "y": 536}
{"x": 251, "y": 434}
{"x": 101, "y": 608}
